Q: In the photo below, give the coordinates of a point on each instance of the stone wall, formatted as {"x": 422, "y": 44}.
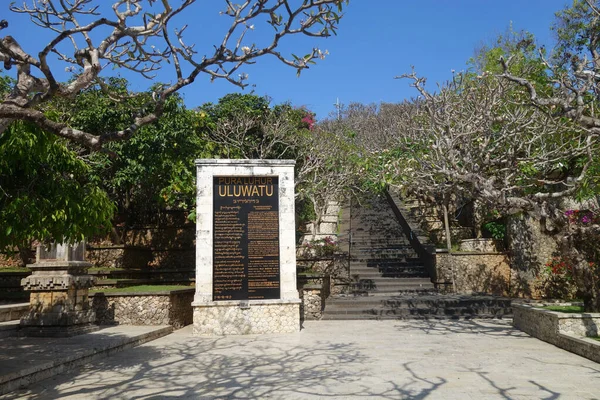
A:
{"x": 530, "y": 246}
{"x": 565, "y": 330}
{"x": 153, "y": 308}
{"x": 139, "y": 257}
{"x": 10, "y": 287}
{"x": 313, "y": 302}
{"x": 164, "y": 240}
{"x": 246, "y": 317}
{"x": 474, "y": 272}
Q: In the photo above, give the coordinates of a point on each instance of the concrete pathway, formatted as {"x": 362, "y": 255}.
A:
{"x": 480, "y": 359}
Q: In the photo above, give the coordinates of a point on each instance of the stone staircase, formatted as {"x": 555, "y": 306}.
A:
{"x": 387, "y": 278}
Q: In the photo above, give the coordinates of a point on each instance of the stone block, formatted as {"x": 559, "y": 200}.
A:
{"x": 244, "y": 318}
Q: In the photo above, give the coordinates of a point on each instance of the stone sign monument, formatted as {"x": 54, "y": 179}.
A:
{"x": 245, "y": 248}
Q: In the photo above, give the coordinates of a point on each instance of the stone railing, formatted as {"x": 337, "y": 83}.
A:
{"x": 152, "y": 308}
{"x": 565, "y": 330}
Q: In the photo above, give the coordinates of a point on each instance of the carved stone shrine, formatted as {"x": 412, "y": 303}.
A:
{"x": 59, "y": 284}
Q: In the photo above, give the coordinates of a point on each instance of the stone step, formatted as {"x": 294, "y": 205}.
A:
{"x": 9, "y": 328}
{"x": 435, "y": 300}
{"x": 415, "y": 315}
{"x": 423, "y": 310}
{"x": 423, "y": 306}
{"x": 388, "y": 281}
{"x": 384, "y": 250}
{"x": 381, "y": 260}
{"x": 401, "y": 273}
{"x": 383, "y": 247}
{"x": 379, "y": 294}
{"x": 393, "y": 284}
{"x": 378, "y": 263}
{"x": 11, "y": 312}
{"x": 38, "y": 360}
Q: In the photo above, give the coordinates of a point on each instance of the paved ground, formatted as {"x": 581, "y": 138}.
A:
{"x": 24, "y": 360}
{"x": 483, "y": 359}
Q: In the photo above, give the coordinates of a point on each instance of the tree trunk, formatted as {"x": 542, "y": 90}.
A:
{"x": 588, "y": 284}
{"x": 24, "y": 254}
{"x": 447, "y": 226}
{"x": 477, "y": 219}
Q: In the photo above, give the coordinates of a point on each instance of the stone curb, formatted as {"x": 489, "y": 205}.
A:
{"x": 9, "y": 328}
{"x": 546, "y": 325}
{"x": 27, "y": 376}
{"x": 10, "y": 312}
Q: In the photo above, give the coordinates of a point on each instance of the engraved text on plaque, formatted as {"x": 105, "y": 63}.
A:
{"x": 246, "y": 237}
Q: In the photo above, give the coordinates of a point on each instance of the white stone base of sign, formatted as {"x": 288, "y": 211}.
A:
{"x": 246, "y": 317}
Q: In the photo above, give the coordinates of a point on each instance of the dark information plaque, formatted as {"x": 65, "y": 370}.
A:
{"x": 245, "y": 237}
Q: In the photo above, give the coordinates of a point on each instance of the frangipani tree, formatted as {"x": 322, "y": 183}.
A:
{"x": 87, "y": 38}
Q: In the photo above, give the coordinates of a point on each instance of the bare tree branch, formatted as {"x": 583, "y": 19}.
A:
{"x": 141, "y": 39}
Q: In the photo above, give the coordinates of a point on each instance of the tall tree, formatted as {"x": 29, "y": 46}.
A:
{"x": 574, "y": 92}
{"x": 88, "y": 38}
{"x": 46, "y": 191}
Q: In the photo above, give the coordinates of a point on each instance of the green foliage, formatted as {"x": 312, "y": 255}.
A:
{"x": 45, "y": 190}
{"x": 496, "y": 229}
{"x": 525, "y": 59}
{"x": 577, "y": 28}
{"x": 305, "y": 212}
{"x": 155, "y": 168}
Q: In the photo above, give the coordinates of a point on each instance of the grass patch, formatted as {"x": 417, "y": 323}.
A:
{"x": 141, "y": 289}
{"x": 108, "y": 269}
{"x": 13, "y": 269}
{"x": 15, "y": 296}
{"x": 565, "y": 309}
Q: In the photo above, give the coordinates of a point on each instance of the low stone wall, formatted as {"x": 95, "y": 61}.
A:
{"x": 475, "y": 272}
{"x": 136, "y": 257}
{"x": 313, "y": 302}
{"x": 13, "y": 312}
{"x": 246, "y": 317}
{"x": 153, "y": 308}
{"x": 10, "y": 287}
{"x": 565, "y": 330}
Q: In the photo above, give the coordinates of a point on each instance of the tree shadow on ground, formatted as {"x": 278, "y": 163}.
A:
{"x": 505, "y": 391}
{"x": 489, "y": 327}
{"x": 232, "y": 367}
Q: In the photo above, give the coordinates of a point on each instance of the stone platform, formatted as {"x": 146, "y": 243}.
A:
{"x": 26, "y": 360}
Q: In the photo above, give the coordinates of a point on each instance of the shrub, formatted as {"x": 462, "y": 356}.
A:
{"x": 555, "y": 281}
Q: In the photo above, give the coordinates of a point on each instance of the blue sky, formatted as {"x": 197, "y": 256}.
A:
{"x": 377, "y": 40}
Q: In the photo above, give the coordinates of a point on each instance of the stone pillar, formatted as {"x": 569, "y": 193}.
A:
{"x": 59, "y": 286}
{"x": 245, "y": 282}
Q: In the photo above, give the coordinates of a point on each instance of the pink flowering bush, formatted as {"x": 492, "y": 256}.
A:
{"x": 584, "y": 217}
{"x": 325, "y": 247}
{"x": 309, "y": 120}
{"x": 555, "y": 281}
{"x": 582, "y": 251}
